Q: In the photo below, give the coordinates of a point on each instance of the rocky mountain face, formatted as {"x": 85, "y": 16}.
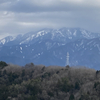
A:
{"x": 50, "y": 47}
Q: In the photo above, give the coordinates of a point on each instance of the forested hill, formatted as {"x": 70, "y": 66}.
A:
{"x": 37, "y": 82}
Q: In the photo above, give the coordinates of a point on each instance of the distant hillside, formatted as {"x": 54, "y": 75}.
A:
{"x": 37, "y": 82}
{"x": 50, "y": 47}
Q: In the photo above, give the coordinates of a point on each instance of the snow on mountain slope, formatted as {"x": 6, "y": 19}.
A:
{"x": 6, "y": 39}
{"x": 62, "y": 35}
{"x": 49, "y": 47}
{"x": 83, "y": 52}
{"x": 10, "y": 39}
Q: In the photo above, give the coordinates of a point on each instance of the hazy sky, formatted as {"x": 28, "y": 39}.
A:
{"x": 22, "y": 16}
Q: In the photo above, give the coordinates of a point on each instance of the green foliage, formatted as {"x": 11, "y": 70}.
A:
{"x": 3, "y": 92}
{"x": 23, "y": 73}
{"x": 47, "y": 83}
{"x": 32, "y": 97}
{"x": 3, "y": 64}
{"x": 12, "y": 77}
{"x": 67, "y": 66}
{"x": 29, "y": 65}
{"x": 84, "y": 97}
{"x": 96, "y": 84}
{"x": 71, "y": 97}
{"x": 51, "y": 94}
{"x": 0, "y": 73}
{"x": 64, "y": 85}
{"x": 33, "y": 89}
{"x": 97, "y": 87}
{"x": 57, "y": 72}
{"x": 4, "y": 72}
{"x": 43, "y": 68}
{"x": 34, "y": 86}
{"x": 77, "y": 85}
{"x": 46, "y": 75}
{"x": 32, "y": 64}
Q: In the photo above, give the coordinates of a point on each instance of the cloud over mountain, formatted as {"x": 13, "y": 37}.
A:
{"x": 22, "y": 16}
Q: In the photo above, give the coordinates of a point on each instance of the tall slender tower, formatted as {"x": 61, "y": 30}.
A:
{"x": 67, "y": 60}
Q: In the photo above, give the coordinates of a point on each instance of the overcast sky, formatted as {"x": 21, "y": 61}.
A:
{"x": 22, "y": 16}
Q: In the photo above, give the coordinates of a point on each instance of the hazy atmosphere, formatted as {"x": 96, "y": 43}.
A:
{"x": 49, "y": 49}
{"x": 22, "y": 16}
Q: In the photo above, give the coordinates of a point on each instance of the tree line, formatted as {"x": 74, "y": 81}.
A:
{"x": 37, "y": 82}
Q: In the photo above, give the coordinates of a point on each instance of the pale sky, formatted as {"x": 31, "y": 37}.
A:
{"x": 22, "y": 16}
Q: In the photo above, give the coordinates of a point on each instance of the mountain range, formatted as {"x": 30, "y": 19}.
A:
{"x": 50, "y": 47}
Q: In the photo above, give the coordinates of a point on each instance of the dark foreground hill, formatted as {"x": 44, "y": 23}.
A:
{"x": 37, "y": 82}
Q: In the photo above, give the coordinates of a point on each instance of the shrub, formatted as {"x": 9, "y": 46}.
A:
{"x": 51, "y": 94}
{"x": 84, "y": 97}
{"x": 96, "y": 84}
{"x": 71, "y": 97}
{"x": 23, "y": 73}
{"x": 46, "y": 75}
{"x": 77, "y": 86}
{"x": 3, "y": 64}
{"x": 64, "y": 85}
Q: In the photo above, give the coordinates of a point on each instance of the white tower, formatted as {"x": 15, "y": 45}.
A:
{"x": 67, "y": 61}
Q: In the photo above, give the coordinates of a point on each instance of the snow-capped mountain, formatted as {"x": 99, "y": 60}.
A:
{"x": 50, "y": 47}
{"x": 64, "y": 35}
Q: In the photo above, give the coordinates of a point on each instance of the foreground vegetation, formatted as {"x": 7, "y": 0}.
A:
{"x": 33, "y": 82}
